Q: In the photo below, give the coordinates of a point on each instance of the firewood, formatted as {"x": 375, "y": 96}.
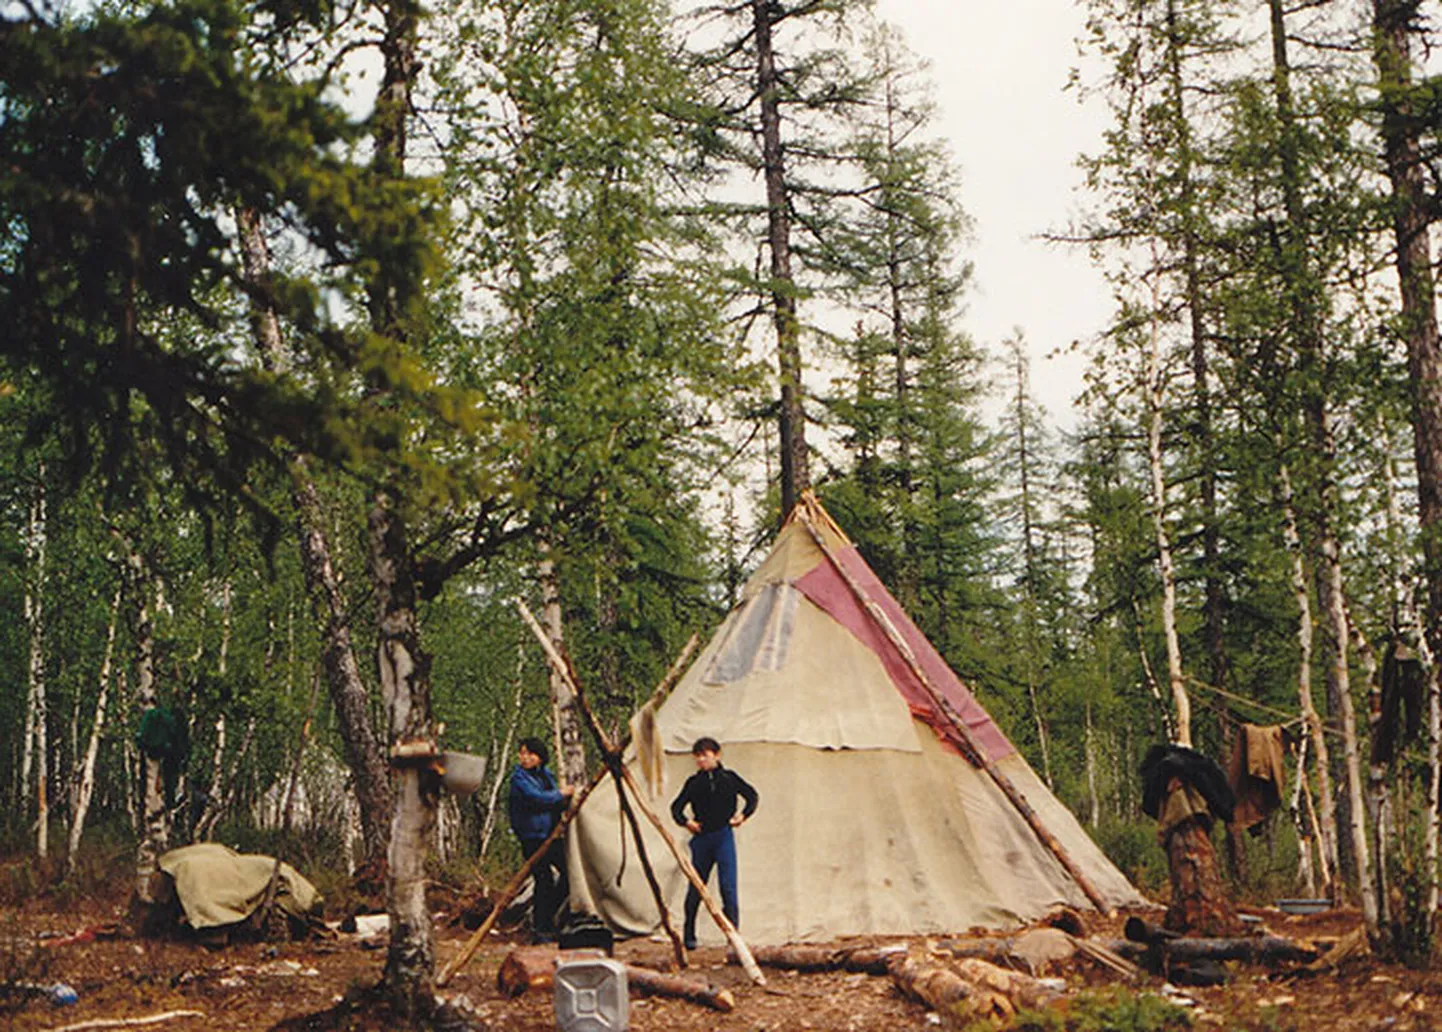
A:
{"x": 958, "y": 1001}
{"x": 1024, "y": 991}
{"x": 534, "y": 967}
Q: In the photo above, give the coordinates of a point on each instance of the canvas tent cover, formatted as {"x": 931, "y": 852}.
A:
{"x": 871, "y": 821}
{"x": 218, "y": 886}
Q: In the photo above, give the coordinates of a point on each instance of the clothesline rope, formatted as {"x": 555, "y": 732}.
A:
{"x": 1292, "y": 718}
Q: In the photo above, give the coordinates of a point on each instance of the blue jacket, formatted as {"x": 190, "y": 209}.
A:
{"x": 534, "y": 802}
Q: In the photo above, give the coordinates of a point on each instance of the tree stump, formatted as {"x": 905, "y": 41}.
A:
{"x": 1199, "y": 901}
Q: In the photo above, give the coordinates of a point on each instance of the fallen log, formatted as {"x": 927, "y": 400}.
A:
{"x": 870, "y": 960}
{"x": 1112, "y": 954}
{"x": 958, "y": 1001}
{"x": 534, "y": 967}
{"x": 654, "y": 983}
{"x": 996, "y": 950}
{"x": 1263, "y": 949}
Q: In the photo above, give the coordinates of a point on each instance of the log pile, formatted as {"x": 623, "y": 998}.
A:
{"x": 534, "y": 967}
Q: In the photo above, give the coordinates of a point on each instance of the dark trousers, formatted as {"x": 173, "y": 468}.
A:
{"x": 713, "y": 849}
{"x": 552, "y": 888}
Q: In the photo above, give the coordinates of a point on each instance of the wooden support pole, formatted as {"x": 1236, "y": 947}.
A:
{"x": 514, "y": 885}
{"x": 563, "y": 669}
{"x": 677, "y": 946}
{"x": 978, "y": 754}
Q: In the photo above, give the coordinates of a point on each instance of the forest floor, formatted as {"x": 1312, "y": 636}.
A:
{"x": 256, "y": 985}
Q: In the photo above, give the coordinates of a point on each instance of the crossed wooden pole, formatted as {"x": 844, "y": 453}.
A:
{"x": 625, "y": 782}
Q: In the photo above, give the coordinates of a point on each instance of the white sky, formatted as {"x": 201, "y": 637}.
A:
{"x": 999, "y": 67}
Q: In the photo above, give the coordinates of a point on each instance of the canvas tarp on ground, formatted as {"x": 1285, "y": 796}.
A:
{"x": 871, "y": 821}
{"x": 218, "y": 886}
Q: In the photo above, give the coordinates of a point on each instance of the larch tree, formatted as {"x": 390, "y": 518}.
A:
{"x": 1395, "y": 27}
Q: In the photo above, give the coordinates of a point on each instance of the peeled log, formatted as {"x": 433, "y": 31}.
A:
{"x": 870, "y": 960}
{"x": 534, "y": 967}
{"x": 957, "y": 1000}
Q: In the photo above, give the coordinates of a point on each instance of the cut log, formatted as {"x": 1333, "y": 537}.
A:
{"x": 527, "y": 967}
{"x": 870, "y": 960}
{"x": 958, "y": 1001}
{"x": 1022, "y": 990}
{"x": 534, "y": 967}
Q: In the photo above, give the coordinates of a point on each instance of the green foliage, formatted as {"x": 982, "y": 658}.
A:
{"x": 1107, "y": 1010}
{"x": 130, "y": 140}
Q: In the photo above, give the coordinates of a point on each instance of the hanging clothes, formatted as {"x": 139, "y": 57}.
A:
{"x": 1257, "y": 773}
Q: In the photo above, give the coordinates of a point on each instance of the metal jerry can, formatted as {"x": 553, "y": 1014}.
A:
{"x": 591, "y": 995}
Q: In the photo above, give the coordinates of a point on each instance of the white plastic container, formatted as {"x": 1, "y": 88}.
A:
{"x": 592, "y": 996}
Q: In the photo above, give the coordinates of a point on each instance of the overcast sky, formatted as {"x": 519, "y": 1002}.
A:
{"x": 1000, "y": 69}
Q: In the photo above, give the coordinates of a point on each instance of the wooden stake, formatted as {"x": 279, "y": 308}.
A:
{"x": 514, "y": 885}
{"x": 978, "y": 754}
{"x": 677, "y": 946}
{"x": 563, "y": 669}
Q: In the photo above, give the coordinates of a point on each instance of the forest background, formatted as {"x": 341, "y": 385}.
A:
{"x": 332, "y": 327}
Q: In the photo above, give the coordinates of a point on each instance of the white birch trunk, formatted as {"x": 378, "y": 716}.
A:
{"x": 86, "y": 778}
{"x": 404, "y": 670}
{"x": 35, "y": 542}
{"x": 154, "y": 824}
{"x": 1091, "y": 762}
{"x": 1339, "y": 680}
{"x": 1181, "y": 701}
{"x": 1313, "y": 720}
{"x": 500, "y": 762}
{"x": 1305, "y": 878}
{"x": 569, "y": 734}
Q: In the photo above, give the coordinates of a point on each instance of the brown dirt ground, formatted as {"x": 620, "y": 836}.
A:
{"x": 131, "y": 977}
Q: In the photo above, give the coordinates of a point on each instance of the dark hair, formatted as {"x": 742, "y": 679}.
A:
{"x": 535, "y": 745}
{"x": 705, "y": 745}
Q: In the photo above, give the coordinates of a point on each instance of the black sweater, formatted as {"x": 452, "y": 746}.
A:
{"x": 712, "y": 797}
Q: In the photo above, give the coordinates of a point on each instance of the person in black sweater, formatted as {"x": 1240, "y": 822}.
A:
{"x": 712, "y": 793}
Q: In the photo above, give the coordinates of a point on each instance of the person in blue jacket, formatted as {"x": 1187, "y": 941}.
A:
{"x": 535, "y": 804}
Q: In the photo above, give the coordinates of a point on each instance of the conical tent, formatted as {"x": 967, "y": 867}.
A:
{"x": 872, "y": 821}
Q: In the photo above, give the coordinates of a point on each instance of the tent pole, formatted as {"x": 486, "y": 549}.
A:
{"x": 563, "y": 668}
{"x": 514, "y": 885}
{"x": 677, "y": 946}
{"x": 978, "y": 754}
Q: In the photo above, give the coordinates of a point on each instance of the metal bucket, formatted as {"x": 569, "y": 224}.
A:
{"x": 464, "y": 772}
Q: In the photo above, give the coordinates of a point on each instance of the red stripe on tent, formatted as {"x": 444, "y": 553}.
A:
{"x": 825, "y": 587}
